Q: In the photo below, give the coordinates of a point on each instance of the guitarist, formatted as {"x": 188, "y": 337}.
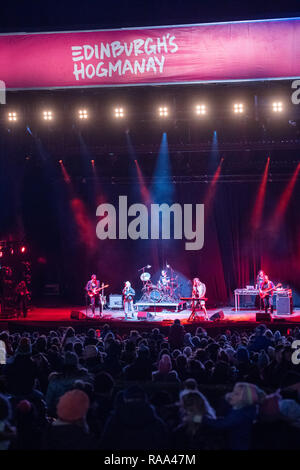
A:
{"x": 266, "y": 292}
{"x": 93, "y": 288}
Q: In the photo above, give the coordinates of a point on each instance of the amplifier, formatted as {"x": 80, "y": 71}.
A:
{"x": 115, "y": 301}
{"x": 145, "y": 316}
{"x": 77, "y": 315}
{"x": 263, "y": 317}
{"x": 283, "y": 305}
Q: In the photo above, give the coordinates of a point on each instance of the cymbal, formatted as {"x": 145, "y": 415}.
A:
{"x": 145, "y": 276}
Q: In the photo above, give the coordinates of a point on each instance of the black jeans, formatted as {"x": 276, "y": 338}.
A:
{"x": 268, "y": 302}
{"x": 23, "y": 305}
{"x": 93, "y": 303}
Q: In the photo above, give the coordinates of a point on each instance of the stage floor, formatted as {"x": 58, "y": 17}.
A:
{"x": 61, "y": 316}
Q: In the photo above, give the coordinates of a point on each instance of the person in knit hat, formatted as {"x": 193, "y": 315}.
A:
{"x": 72, "y": 407}
{"x": 165, "y": 372}
{"x": 238, "y": 423}
{"x": 70, "y": 431}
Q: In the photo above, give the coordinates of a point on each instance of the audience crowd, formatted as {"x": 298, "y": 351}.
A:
{"x": 145, "y": 390}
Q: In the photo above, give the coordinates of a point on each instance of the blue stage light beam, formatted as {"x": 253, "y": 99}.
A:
{"x": 162, "y": 185}
{"x": 214, "y": 157}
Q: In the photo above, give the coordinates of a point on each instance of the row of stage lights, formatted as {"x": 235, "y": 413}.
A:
{"x": 163, "y": 111}
{"x": 22, "y": 249}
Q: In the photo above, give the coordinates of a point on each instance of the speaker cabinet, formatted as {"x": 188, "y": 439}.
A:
{"x": 115, "y": 301}
{"x": 145, "y": 316}
{"x": 283, "y": 306}
{"x": 218, "y": 316}
{"x": 263, "y": 317}
{"x": 77, "y": 315}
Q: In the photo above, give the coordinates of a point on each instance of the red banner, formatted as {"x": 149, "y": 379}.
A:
{"x": 248, "y": 50}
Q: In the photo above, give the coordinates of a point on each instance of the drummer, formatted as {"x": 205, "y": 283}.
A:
{"x": 164, "y": 280}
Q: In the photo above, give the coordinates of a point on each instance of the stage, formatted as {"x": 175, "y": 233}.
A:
{"x": 54, "y": 317}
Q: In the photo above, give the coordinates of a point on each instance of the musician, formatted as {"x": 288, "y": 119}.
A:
{"x": 164, "y": 280}
{"x": 260, "y": 278}
{"x": 128, "y": 295}
{"x": 198, "y": 295}
{"x": 267, "y": 291}
{"x": 93, "y": 293}
{"x": 22, "y": 298}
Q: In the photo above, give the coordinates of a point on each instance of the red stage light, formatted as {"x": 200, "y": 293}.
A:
{"x": 1, "y": 254}
{"x": 260, "y": 199}
{"x": 283, "y": 202}
{"x": 11, "y": 251}
{"x": 23, "y": 249}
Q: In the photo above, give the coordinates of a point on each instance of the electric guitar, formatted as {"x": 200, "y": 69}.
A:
{"x": 264, "y": 292}
{"x": 96, "y": 290}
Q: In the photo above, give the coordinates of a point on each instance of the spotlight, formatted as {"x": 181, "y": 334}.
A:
{"x": 92, "y": 162}
{"x": 12, "y": 116}
{"x": 119, "y": 112}
{"x": 23, "y": 249}
{"x": 11, "y": 251}
{"x": 277, "y": 107}
{"x": 47, "y": 115}
{"x": 60, "y": 162}
{"x": 200, "y": 109}
{"x": 83, "y": 114}
{"x": 163, "y": 111}
{"x": 1, "y": 254}
{"x": 238, "y": 108}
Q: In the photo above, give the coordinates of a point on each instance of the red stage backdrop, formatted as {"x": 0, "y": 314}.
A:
{"x": 247, "y": 50}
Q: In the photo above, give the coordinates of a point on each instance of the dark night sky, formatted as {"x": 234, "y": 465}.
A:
{"x": 45, "y": 15}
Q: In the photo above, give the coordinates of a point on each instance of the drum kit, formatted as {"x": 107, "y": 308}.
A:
{"x": 166, "y": 290}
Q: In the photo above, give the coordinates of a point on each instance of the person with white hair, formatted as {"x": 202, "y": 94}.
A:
{"x": 198, "y": 302}
{"x": 128, "y": 295}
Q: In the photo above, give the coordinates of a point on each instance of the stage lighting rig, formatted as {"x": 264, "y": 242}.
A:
{"x": 12, "y": 116}
{"x": 238, "y": 108}
{"x": 83, "y": 114}
{"x": 163, "y": 111}
{"x": 47, "y": 115}
{"x": 119, "y": 113}
{"x": 200, "y": 109}
{"x": 277, "y": 107}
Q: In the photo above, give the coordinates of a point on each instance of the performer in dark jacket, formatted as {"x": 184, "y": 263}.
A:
{"x": 92, "y": 290}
